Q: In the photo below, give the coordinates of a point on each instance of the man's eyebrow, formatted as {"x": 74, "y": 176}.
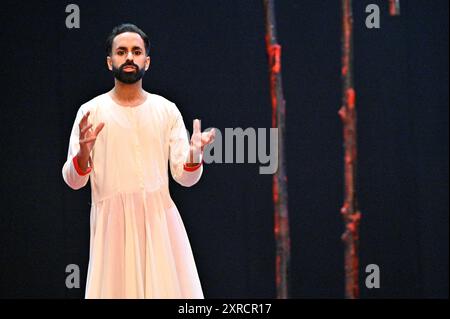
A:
{"x": 125, "y": 48}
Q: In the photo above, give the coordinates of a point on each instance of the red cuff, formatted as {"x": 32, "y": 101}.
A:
{"x": 192, "y": 168}
{"x": 78, "y": 169}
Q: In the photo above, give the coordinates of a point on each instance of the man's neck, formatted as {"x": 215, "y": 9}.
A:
{"x": 128, "y": 94}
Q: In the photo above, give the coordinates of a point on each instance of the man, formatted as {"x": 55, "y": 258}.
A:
{"x": 122, "y": 141}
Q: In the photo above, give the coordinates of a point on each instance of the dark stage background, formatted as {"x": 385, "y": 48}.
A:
{"x": 209, "y": 57}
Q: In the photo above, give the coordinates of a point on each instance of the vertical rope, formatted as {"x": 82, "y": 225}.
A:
{"x": 394, "y": 7}
{"x": 280, "y": 195}
{"x": 349, "y": 210}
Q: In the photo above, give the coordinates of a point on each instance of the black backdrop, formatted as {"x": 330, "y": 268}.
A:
{"x": 209, "y": 57}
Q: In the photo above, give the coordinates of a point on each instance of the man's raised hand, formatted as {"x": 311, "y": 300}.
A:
{"x": 198, "y": 141}
{"x": 87, "y": 140}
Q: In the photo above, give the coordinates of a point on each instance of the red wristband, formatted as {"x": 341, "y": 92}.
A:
{"x": 192, "y": 168}
{"x": 78, "y": 169}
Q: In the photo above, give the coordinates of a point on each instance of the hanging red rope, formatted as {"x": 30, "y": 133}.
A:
{"x": 280, "y": 195}
{"x": 347, "y": 113}
{"x": 349, "y": 210}
{"x": 394, "y": 7}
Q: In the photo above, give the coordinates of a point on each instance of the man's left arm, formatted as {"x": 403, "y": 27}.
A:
{"x": 186, "y": 156}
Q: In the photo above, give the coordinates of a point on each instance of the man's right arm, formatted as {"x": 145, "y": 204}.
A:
{"x": 75, "y": 170}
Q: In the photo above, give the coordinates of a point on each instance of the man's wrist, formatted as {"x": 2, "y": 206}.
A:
{"x": 190, "y": 167}
{"x": 82, "y": 161}
{"x": 192, "y": 164}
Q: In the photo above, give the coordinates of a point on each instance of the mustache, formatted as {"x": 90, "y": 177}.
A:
{"x": 129, "y": 64}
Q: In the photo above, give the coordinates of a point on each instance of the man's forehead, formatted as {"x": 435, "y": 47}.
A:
{"x": 128, "y": 39}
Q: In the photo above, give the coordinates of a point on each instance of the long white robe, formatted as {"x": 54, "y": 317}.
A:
{"x": 139, "y": 247}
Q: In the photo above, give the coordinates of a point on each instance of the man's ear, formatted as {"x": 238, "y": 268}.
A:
{"x": 109, "y": 62}
{"x": 147, "y": 62}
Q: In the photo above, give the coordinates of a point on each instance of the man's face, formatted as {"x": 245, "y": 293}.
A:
{"x": 128, "y": 60}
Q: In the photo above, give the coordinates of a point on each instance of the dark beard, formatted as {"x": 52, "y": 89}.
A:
{"x": 128, "y": 77}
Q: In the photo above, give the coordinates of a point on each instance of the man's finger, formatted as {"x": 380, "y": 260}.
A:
{"x": 208, "y": 137}
{"x": 99, "y": 128}
{"x": 212, "y": 134}
{"x": 83, "y": 131}
{"x": 88, "y": 139}
{"x": 84, "y": 119}
{"x": 197, "y": 126}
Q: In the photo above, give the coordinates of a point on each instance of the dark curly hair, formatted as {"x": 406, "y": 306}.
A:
{"x": 126, "y": 27}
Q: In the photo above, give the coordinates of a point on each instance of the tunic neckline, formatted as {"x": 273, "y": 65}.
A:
{"x": 129, "y": 107}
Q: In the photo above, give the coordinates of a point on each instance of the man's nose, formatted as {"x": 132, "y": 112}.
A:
{"x": 130, "y": 56}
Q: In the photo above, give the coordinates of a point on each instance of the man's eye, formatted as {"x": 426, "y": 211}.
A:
{"x": 120, "y": 52}
{"x": 137, "y": 52}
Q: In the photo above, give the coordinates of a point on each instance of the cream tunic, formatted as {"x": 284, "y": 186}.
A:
{"x": 138, "y": 247}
